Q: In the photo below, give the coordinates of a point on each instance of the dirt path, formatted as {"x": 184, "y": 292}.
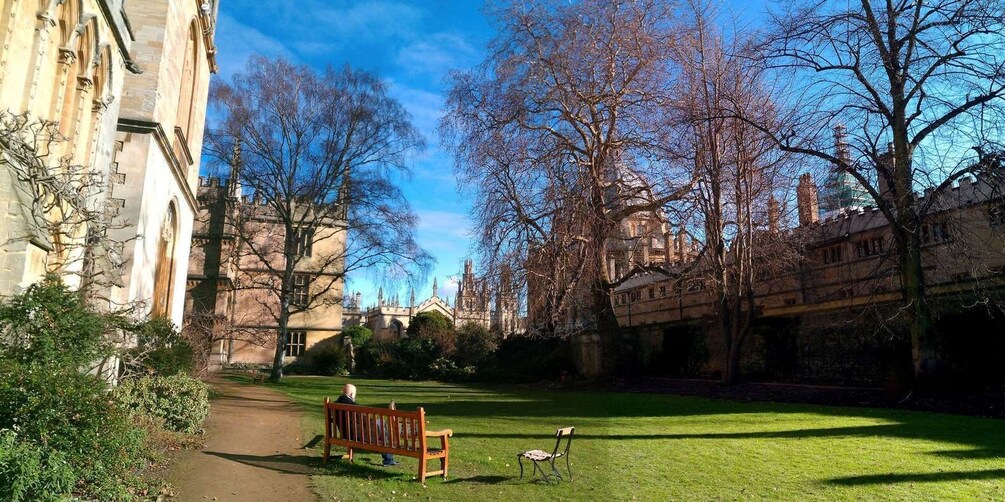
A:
{"x": 253, "y": 450}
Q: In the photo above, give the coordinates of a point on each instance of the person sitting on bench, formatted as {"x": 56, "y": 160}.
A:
{"x": 349, "y": 397}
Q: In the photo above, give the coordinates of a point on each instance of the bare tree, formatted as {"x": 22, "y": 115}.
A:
{"x": 740, "y": 172}
{"x": 918, "y": 83}
{"x": 559, "y": 133}
{"x": 63, "y": 204}
{"x": 318, "y": 154}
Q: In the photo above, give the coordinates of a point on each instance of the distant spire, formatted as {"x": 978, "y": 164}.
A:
{"x": 434, "y": 286}
{"x": 380, "y": 297}
{"x": 411, "y": 300}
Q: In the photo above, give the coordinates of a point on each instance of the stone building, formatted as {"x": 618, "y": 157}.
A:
{"x": 389, "y": 319}
{"x": 231, "y": 292}
{"x": 63, "y": 62}
{"x": 127, "y": 83}
{"x": 833, "y": 317}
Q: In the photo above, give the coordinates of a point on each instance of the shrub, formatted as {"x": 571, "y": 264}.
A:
{"x": 326, "y": 358}
{"x": 30, "y": 472}
{"x": 69, "y": 416}
{"x": 528, "y": 359}
{"x": 475, "y": 345}
{"x": 49, "y": 325}
{"x": 360, "y": 335}
{"x": 160, "y": 349}
{"x": 182, "y": 401}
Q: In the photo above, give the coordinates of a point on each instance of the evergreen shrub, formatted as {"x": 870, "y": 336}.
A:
{"x": 180, "y": 400}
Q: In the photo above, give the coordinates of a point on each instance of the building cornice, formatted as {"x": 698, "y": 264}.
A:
{"x": 155, "y": 129}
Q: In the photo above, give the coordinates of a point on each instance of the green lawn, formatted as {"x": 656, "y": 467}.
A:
{"x": 656, "y": 447}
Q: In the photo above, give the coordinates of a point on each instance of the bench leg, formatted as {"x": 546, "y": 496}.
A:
{"x": 422, "y": 469}
{"x": 348, "y": 454}
{"x": 328, "y": 450}
{"x": 519, "y": 459}
{"x": 443, "y": 467}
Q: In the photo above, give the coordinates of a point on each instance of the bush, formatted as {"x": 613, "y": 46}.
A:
{"x": 68, "y": 416}
{"x": 49, "y": 325}
{"x": 160, "y": 349}
{"x": 360, "y": 335}
{"x": 182, "y": 401}
{"x": 475, "y": 345}
{"x": 326, "y": 358}
{"x": 29, "y": 472}
{"x": 528, "y": 359}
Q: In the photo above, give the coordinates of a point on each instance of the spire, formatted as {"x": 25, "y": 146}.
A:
{"x": 380, "y": 297}
{"x": 411, "y": 299}
{"x": 434, "y": 286}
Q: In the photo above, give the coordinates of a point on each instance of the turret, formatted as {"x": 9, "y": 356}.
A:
{"x": 807, "y": 201}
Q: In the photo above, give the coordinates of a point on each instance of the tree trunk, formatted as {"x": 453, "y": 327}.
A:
{"x": 282, "y": 338}
{"x": 924, "y": 346}
{"x": 607, "y": 329}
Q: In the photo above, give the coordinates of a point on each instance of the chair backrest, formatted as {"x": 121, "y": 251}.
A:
{"x": 566, "y": 433}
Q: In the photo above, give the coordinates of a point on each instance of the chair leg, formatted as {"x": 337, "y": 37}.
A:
{"x": 443, "y": 467}
{"x": 568, "y": 465}
{"x": 519, "y": 460}
{"x": 554, "y": 470}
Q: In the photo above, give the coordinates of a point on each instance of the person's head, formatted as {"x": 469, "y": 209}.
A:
{"x": 392, "y": 406}
{"x": 349, "y": 390}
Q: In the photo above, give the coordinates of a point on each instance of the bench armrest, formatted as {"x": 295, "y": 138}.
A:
{"x": 444, "y": 432}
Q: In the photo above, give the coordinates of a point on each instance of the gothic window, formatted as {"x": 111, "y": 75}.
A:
{"x": 397, "y": 328}
{"x": 832, "y": 254}
{"x": 869, "y": 247}
{"x": 164, "y": 271}
{"x": 652, "y": 293}
{"x": 663, "y": 291}
{"x": 303, "y": 241}
{"x": 296, "y": 343}
{"x": 935, "y": 233}
{"x": 301, "y": 289}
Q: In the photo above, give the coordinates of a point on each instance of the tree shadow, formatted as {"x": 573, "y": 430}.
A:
{"x": 287, "y": 464}
{"x": 921, "y": 477}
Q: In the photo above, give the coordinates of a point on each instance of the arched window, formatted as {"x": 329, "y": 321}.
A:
{"x": 189, "y": 72}
{"x": 164, "y": 271}
{"x": 397, "y": 329}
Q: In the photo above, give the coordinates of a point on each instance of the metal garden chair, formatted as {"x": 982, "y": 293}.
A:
{"x": 537, "y": 456}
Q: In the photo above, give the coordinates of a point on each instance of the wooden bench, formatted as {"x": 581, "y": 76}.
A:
{"x": 384, "y": 430}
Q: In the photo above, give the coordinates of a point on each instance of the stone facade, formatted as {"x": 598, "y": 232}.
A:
{"x": 127, "y": 83}
{"x": 832, "y": 318}
{"x": 64, "y": 62}
{"x": 225, "y": 280}
{"x": 389, "y": 319}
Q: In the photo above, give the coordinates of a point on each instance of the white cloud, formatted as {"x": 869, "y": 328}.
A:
{"x": 436, "y": 54}
{"x": 237, "y": 42}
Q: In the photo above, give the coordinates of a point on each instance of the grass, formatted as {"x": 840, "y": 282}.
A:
{"x": 657, "y": 447}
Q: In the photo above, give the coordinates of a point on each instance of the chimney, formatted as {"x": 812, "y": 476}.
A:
{"x": 807, "y": 200}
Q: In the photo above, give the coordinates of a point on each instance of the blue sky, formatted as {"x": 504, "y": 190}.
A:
{"x": 411, "y": 44}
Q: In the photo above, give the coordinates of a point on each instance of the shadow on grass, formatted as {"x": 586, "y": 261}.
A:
{"x": 357, "y": 469}
{"x": 921, "y": 477}
{"x": 288, "y": 464}
{"x": 481, "y": 480}
{"x": 984, "y": 437}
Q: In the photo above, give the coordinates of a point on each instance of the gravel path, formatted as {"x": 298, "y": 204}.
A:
{"x": 253, "y": 450}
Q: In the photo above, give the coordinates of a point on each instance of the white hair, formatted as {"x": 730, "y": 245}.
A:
{"x": 349, "y": 390}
